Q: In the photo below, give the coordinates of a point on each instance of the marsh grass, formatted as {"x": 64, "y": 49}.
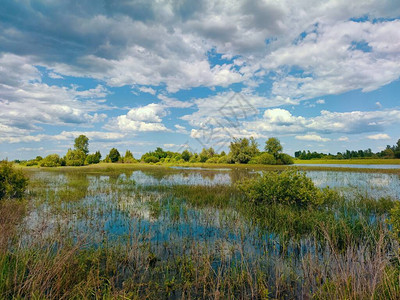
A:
{"x": 92, "y": 233}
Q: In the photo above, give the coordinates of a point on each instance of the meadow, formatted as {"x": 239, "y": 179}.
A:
{"x": 135, "y": 231}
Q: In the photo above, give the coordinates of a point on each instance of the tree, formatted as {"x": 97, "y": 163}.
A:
{"x": 273, "y": 146}
{"x": 51, "y": 160}
{"x": 128, "y": 154}
{"x": 114, "y": 155}
{"x": 93, "y": 158}
{"x": 243, "y": 150}
{"x": 186, "y": 155}
{"x": 75, "y": 157}
{"x": 12, "y": 182}
{"x": 82, "y": 143}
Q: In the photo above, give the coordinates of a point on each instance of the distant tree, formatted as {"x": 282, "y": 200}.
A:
{"x": 93, "y": 158}
{"x": 51, "y": 160}
{"x": 114, "y": 155}
{"x": 151, "y": 159}
{"x": 12, "y": 182}
{"x": 128, "y": 154}
{"x": 186, "y": 155}
{"x": 75, "y": 157}
{"x": 82, "y": 143}
{"x": 204, "y": 155}
{"x": 243, "y": 150}
{"x": 128, "y": 158}
{"x": 273, "y": 146}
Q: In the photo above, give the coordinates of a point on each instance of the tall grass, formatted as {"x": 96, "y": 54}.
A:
{"x": 95, "y": 234}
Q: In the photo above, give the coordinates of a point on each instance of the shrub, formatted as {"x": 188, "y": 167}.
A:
{"x": 264, "y": 159}
{"x": 290, "y": 187}
{"x": 52, "y": 160}
{"x": 75, "y": 158}
{"x": 114, "y": 155}
{"x": 12, "y": 182}
{"x": 285, "y": 159}
{"x": 395, "y": 219}
{"x": 93, "y": 158}
{"x": 212, "y": 160}
{"x": 151, "y": 159}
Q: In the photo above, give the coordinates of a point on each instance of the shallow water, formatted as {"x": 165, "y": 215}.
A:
{"x": 132, "y": 205}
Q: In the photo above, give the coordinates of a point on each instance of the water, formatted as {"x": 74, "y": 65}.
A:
{"x": 138, "y": 205}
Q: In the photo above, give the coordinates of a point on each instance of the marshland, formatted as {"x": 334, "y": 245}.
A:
{"x": 138, "y": 231}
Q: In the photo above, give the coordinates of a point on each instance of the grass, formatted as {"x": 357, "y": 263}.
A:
{"x": 99, "y": 232}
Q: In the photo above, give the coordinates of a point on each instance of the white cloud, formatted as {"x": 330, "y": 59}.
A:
{"x": 338, "y": 57}
{"x": 148, "y": 90}
{"x": 343, "y": 139}
{"x": 320, "y": 101}
{"x": 181, "y": 129}
{"x": 379, "y": 136}
{"x": 144, "y": 118}
{"x": 378, "y": 104}
{"x": 312, "y": 137}
{"x": 152, "y": 113}
{"x": 280, "y": 121}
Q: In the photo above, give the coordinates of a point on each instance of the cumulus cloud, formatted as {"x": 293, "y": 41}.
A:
{"x": 379, "y": 136}
{"x": 94, "y": 136}
{"x": 26, "y": 103}
{"x": 281, "y": 121}
{"x": 312, "y": 137}
{"x": 181, "y": 129}
{"x": 144, "y": 118}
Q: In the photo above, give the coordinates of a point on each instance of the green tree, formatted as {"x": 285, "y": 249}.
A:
{"x": 186, "y": 155}
{"x": 243, "y": 150}
{"x": 75, "y": 157}
{"x": 114, "y": 155}
{"x": 12, "y": 182}
{"x": 273, "y": 146}
{"x": 51, "y": 160}
{"x": 93, "y": 158}
{"x": 82, "y": 143}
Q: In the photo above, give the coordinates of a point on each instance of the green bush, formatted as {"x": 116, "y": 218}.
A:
{"x": 264, "y": 159}
{"x": 52, "y": 160}
{"x": 395, "y": 219}
{"x": 75, "y": 158}
{"x": 284, "y": 159}
{"x": 212, "y": 160}
{"x": 151, "y": 159}
{"x": 290, "y": 187}
{"x": 114, "y": 155}
{"x": 12, "y": 182}
{"x": 93, "y": 158}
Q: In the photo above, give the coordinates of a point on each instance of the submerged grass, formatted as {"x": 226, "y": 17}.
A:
{"x": 99, "y": 232}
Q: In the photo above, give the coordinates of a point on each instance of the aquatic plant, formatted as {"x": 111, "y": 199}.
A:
{"x": 291, "y": 187}
{"x": 12, "y": 182}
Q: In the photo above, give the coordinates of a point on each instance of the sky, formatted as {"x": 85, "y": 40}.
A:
{"x": 319, "y": 75}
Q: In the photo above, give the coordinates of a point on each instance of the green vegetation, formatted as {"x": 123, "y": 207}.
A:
{"x": 134, "y": 231}
{"x": 289, "y": 187}
{"x": 113, "y": 156}
{"x": 389, "y": 153}
{"x": 51, "y": 160}
{"x": 82, "y": 144}
{"x": 12, "y": 182}
{"x": 369, "y": 161}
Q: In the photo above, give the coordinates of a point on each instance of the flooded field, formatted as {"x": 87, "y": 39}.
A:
{"x": 188, "y": 232}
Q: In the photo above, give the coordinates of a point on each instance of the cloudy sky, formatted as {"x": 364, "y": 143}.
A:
{"x": 318, "y": 74}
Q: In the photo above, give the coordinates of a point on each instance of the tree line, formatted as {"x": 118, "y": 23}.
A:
{"x": 388, "y": 152}
{"x": 242, "y": 151}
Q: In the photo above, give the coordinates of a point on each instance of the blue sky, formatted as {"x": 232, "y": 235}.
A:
{"x": 319, "y": 75}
